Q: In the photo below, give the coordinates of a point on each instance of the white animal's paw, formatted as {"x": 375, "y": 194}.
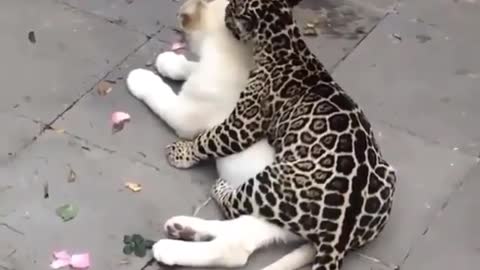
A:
{"x": 173, "y": 66}
{"x": 167, "y": 251}
{"x": 142, "y": 82}
{"x": 187, "y": 228}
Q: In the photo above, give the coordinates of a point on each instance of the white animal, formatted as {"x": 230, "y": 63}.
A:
{"x": 211, "y": 89}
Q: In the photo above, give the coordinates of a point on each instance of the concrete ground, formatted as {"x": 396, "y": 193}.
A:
{"x": 413, "y": 65}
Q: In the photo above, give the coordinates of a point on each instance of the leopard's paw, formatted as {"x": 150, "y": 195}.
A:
{"x": 180, "y": 154}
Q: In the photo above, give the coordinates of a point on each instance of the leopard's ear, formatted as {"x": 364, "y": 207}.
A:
{"x": 293, "y": 3}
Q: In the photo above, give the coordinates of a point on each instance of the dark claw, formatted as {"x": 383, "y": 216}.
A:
{"x": 170, "y": 230}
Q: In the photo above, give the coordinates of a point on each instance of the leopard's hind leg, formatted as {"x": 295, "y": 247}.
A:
{"x": 266, "y": 197}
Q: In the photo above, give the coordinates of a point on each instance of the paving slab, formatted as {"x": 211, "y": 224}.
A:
{"x": 89, "y": 119}
{"x": 416, "y": 76}
{"x": 105, "y": 215}
{"x": 64, "y": 56}
{"x": 147, "y": 16}
{"x": 18, "y": 132}
{"x": 266, "y": 256}
{"x": 340, "y": 25}
{"x": 419, "y": 71}
{"x": 426, "y": 180}
{"x": 453, "y": 242}
{"x": 427, "y": 175}
{"x": 107, "y": 210}
{"x": 145, "y": 136}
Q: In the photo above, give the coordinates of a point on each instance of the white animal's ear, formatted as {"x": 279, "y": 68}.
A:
{"x": 189, "y": 13}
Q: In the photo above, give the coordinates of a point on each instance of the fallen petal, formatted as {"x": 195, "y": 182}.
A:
{"x": 56, "y": 264}
{"x": 178, "y": 46}
{"x": 61, "y": 255}
{"x": 119, "y": 119}
{"x": 72, "y": 176}
{"x": 80, "y": 260}
{"x": 31, "y": 37}
{"x": 67, "y": 212}
{"x": 133, "y": 186}
{"x": 103, "y": 88}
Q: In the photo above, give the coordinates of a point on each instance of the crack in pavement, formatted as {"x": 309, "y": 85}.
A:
{"x": 456, "y": 189}
{"x": 119, "y": 21}
{"x": 87, "y": 145}
{"x": 48, "y": 125}
{"x": 388, "y": 12}
{"x": 11, "y": 228}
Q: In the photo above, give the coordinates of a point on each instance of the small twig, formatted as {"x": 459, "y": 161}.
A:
{"x": 11, "y": 228}
{"x": 5, "y": 267}
{"x": 11, "y": 253}
{"x": 375, "y": 260}
{"x": 46, "y": 193}
{"x": 5, "y": 188}
{"x": 198, "y": 208}
{"x": 149, "y": 263}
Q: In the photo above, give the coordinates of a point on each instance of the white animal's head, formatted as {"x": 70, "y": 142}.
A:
{"x": 199, "y": 18}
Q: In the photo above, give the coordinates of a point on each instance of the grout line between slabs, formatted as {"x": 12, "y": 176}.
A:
{"x": 118, "y": 21}
{"x": 456, "y": 189}
{"x": 88, "y": 144}
{"x": 48, "y": 125}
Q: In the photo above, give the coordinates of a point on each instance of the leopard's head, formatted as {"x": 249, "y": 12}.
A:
{"x": 258, "y": 20}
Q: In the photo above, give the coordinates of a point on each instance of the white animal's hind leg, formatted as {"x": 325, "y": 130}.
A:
{"x": 296, "y": 259}
{"x": 159, "y": 96}
{"x": 233, "y": 241}
{"x": 193, "y": 228}
{"x": 174, "y": 66}
{"x": 215, "y": 253}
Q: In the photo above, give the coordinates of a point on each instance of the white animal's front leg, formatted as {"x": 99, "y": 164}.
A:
{"x": 145, "y": 85}
{"x": 159, "y": 96}
{"x": 174, "y": 66}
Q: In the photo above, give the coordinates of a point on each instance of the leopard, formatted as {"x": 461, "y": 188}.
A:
{"x": 329, "y": 183}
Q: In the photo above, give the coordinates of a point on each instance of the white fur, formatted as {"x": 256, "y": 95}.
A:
{"x": 207, "y": 97}
{"x": 234, "y": 241}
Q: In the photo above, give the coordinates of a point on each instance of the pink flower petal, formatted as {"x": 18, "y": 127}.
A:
{"x": 178, "y": 46}
{"x": 61, "y": 255}
{"x": 118, "y": 117}
{"x": 56, "y": 264}
{"x": 80, "y": 260}
{"x": 118, "y": 121}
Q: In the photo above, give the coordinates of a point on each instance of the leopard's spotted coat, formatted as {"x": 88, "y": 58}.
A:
{"x": 329, "y": 182}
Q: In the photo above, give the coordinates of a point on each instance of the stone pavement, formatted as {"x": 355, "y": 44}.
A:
{"x": 413, "y": 65}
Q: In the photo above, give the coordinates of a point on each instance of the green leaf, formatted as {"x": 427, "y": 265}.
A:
{"x": 140, "y": 251}
{"x": 67, "y": 212}
{"x": 137, "y": 239}
{"x": 127, "y": 250}
{"x": 127, "y": 239}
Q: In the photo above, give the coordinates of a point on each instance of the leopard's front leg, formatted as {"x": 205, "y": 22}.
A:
{"x": 240, "y": 130}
